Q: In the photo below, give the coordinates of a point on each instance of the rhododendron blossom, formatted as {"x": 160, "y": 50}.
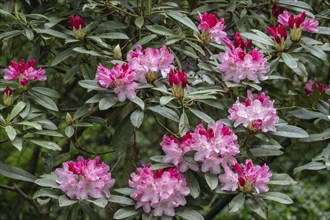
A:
{"x": 150, "y": 60}
{"x": 293, "y": 22}
{"x": 238, "y": 65}
{"x": 121, "y": 77}
{"x": 256, "y": 113}
{"x": 247, "y": 178}
{"x": 158, "y": 192}
{"x": 24, "y": 72}
{"x": 212, "y": 27}
{"x": 85, "y": 179}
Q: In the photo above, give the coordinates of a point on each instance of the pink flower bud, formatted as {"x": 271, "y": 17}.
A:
{"x": 207, "y": 21}
{"x": 8, "y": 97}
{"x": 76, "y": 22}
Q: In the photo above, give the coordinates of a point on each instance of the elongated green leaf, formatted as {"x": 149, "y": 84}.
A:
{"x": 137, "y": 118}
{"x": 139, "y": 102}
{"x": 158, "y": 159}
{"x": 184, "y": 126}
{"x": 276, "y": 196}
{"x": 299, "y": 4}
{"x": 53, "y": 33}
{"x": 121, "y": 200}
{"x": 30, "y": 124}
{"x": 16, "y": 173}
{"x": 46, "y": 144}
{"x": 211, "y": 180}
{"x": 161, "y": 30}
{"x": 144, "y": 40}
{"x": 182, "y": 19}
{"x": 160, "y": 166}
{"x": 18, "y": 143}
{"x": 11, "y": 132}
{"x": 139, "y": 21}
{"x": 46, "y": 193}
{"x": 258, "y": 38}
{"x": 124, "y": 191}
{"x": 189, "y": 214}
{"x": 193, "y": 184}
{"x": 165, "y": 99}
{"x": 91, "y": 84}
{"x": 63, "y": 55}
{"x": 289, "y": 60}
{"x": 281, "y": 179}
{"x": 323, "y": 30}
{"x": 237, "y": 203}
{"x": 101, "y": 202}
{"x": 84, "y": 51}
{"x": 17, "y": 109}
{"x": 310, "y": 166}
{"x": 114, "y": 35}
{"x": 44, "y": 101}
{"x": 202, "y": 115}
{"x": 69, "y": 131}
{"x": 290, "y": 131}
{"x": 166, "y": 112}
{"x": 49, "y": 133}
{"x": 65, "y": 201}
{"x": 125, "y": 213}
{"x": 107, "y": 102}
{"x": 325, "y": 135}
{"x": 81, "y": 111}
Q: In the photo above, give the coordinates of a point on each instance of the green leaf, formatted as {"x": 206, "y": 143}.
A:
{"x": 158, "y": 159}
{"x": 124, "y": 191}
{"x": 65, "y": 201}
{"x": 325, "y": 135}
{"x": 107, "y": 102}
{"x": 81, "y": 111}
{"x": 306, "y": 114}
{"x": 166, "y": 112}
{"x": 160, "y": 166}
{"x": 161, "y": 30}
{"x": 289, "y": 60}
{"x": 192, "y": 184}
{"x": 44, "y": 101}
{"x": 281, "y": 179}
{"x": 237, "y": 203}
{"x": 114, "y": 35}
{"x": 63, "y": 55}
{"x": 125, "y": 213}
{"x": 47, "y": 144}
{"x": 258, "y": 206}
{"x": 299, "y": 4}
{"x": 84, "y": 51}
{"x": 323, "y": 30}
{"x": 17, "y": 109}
{"x": 11, "y": 132}
{"x": 260, "y": 39}
{"x": 91, "y": 84}
{"x": 69, "y": 131}
{"x": 99, "y": 202}
{"x": 16, "y": 173}
{"x": 310, "y": 166}
{"x": 17, "y": 143}
{"x": 290, "y": 131}
{"x": 49, "y": 133}
{"x": 165, "y": 99}
{"x": 202, "y": 115}
{"x": 46, "y": 193}
{"x": 137, "y": 118}
{"x": 29, "y": 34}
{"x": 144, "y": 40}
{"x": 89, "y": 210}
{"x": 139, "y": 102}
{"x": 189, "y": 214}
{"x": 123, "y": 134}
{"x": 276, "y": 196}
{"x": 139, "y": 21}
{"x": 211, "y": 180}
{"x": 53, "y": 33}
{"x": 182, "y": 19}
{"x": 30, "y": 124}
{"x": 184, "y": 126}
{"x": 121, "y": 200}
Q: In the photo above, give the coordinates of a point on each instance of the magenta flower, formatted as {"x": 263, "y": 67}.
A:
{"x": 256, "y": 113}
{"x": 85, "y": 179}
{"x": 121, "y": 77}
{"x": 7, "y": 96}
{"x": 211, "y": 27}
{"x": 279, "y": 33}
{"x": 277, "y": 10}
{"x": 158, "y": 192}
{"x": 149, "y": 62}
{"x": 76, "y": 22}
{"x": 24, "y": 72}
{"x": 238, "y": 65}
{"x": 178, "y": 81}
{"x": 248, "y": 177}
{"x": 174, "y": 151}
{"x": 293, "y": 22}
{"x": 239, "y": 41}
{"x": 319, "y": 86}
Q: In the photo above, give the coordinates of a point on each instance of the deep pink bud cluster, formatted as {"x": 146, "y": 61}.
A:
{"x": 279, "y": 33}
{"x": 256, "y": 113}
{"x": 158, "y": 192}
{"x": 178, "y": 78}
{"x": 210, "y": 23}
{"x": 213, "y": 147}
{"x": 320, "y": 86}
{"x": 7, "y": 91}
{"x": 293, "y": 22}
{"x": 121, "y": 77}
{"x": 237, "y": 64}
{"x": 150, "y": 60}
{"x": 85, "y": 179}
{"x": 246, "y": 178}
{"x": 277, "y": 10}
{"x": 24, "y": 72}
{"x": 76, "y": 22}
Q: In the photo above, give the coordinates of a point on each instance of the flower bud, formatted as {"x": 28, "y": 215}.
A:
{"x": 78, "y": 26}
{"x": 117, "y": 53}
{"x": 295, "y": 34}
{"x": 68, "y": 119}
{"x": 8, "y": 97}
{"x": 178, "y": 82}
{"x": 151, "y": 76}
{"x": 23, "y": 82}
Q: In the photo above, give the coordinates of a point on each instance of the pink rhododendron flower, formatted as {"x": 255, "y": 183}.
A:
{"x": 85, "y": 179}
{"x": 247, "y": 178}
{"x": 76, "y": 22}
{"x": 24, "y": 72}
{"x": 212, "y": 26}
{"x": 158, "y": 192}
{"x": 238, "y": 65}
{"x": 150, "y": 60}
{"x": 256, "y": 113}
{"x": 174, "y": 151}
{"x": 293, "y": 22}
{"x": 309, "y": 86}
{"x": 121, "y": 77}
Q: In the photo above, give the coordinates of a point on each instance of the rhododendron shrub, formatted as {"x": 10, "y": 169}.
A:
{"x": 164, "y": 109}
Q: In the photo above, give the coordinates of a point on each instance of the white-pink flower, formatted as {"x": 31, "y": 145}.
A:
{"x": 150, "y": 60}
{"x": 209, "y": 23}
{"x": 238, "y": 65}
{"x": 85, "y": 179}
{"x": 24, "y": 72}
{"x": 256, "y": 113}
{"x": 158, "y": 192}
{"x": 121, "y": 77}
{"x": 174, "y": 151}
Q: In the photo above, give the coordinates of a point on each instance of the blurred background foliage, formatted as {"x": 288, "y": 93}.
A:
{"x": 40, "y": 29}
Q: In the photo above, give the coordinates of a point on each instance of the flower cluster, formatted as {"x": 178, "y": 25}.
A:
{"x": 24, "y": 72}
{"x": 212, "y": 148}
{"x": 121, "y": 77}
{"x": 247, "y": 178}
{"x": 178, "y": 81}
{"x": 237, "y": 64}
{"x": 78, "y": 26}
{"x": 279, "y": 34}
{"x": 158, "y": 192}
{"x": 149, "y": 62}
{"x": 313, "y": 82}
{"x": 85, "y": 179}
{"x": 211, "y": 27}
{"x": 256, "y": 113}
